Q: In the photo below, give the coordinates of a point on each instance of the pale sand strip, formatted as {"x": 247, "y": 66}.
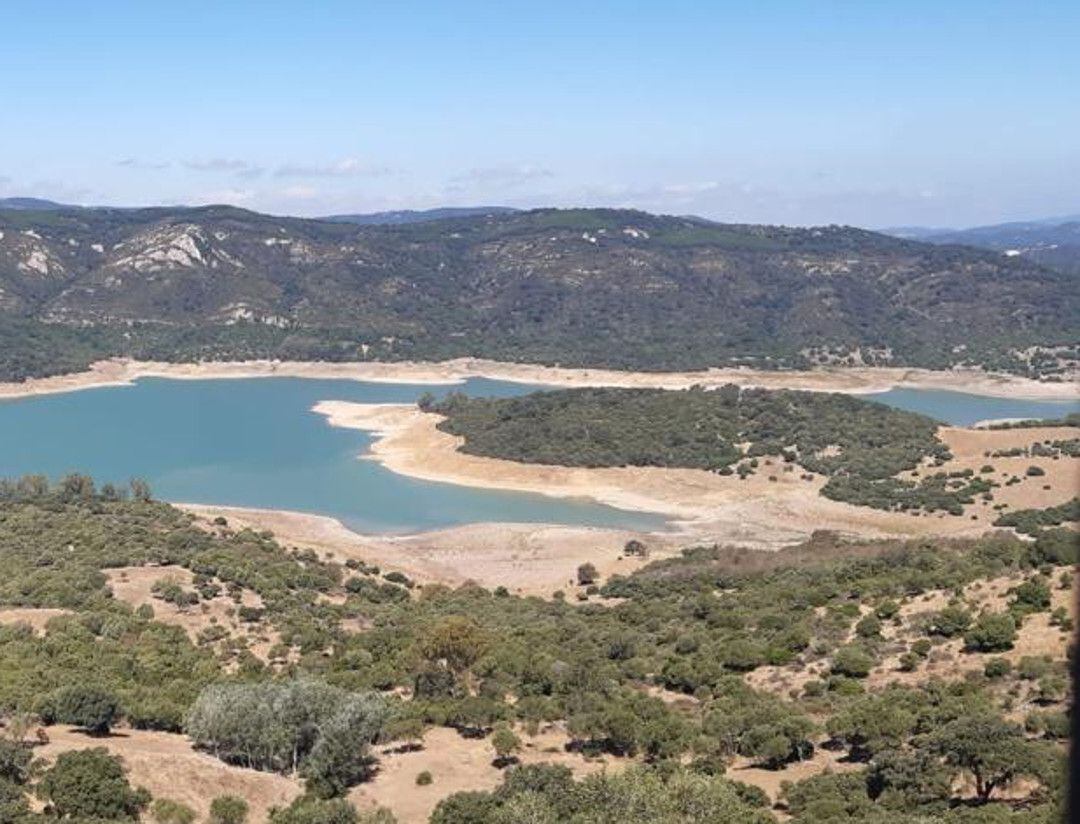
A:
{"x": 856, "y": 380}
{"x": 527, "y": 559}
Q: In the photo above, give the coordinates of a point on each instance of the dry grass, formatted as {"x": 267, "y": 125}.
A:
{"x": 37, "y": 618}
{"x": 134, "y": 586}
{"x": 169, "y": 767}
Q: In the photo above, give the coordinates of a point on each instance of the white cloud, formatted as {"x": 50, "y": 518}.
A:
{"x": 502, "y": 177}
{"x": 347, "y": 167}
{"x": 241, "y": 168}
{"x": 300, "y": 192}
{"x": 135, "y": 163}
{"x": 229, "y": 196}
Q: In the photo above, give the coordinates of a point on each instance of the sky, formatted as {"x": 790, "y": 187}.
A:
{"x": 868, "y": 113}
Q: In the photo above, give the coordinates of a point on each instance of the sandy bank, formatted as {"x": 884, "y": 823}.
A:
{"x": 120, "y": 371}
{"x": 538, "y": 559}
{"x": 527, "y": 559}
{"x": 769, "y": 509}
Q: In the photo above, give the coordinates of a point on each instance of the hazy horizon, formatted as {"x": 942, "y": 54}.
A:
{"x": 796, "y": 113}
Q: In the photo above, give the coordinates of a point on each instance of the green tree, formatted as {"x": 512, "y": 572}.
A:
{"x": 994, "y": 751}
{"x": 228, "y": 809}
{"x": 456, "y": 641}
{"x": 852, "y": 661}
{"x": 90, "y": 784}
{"x": 902, "y": 780}
{"x": 505, "y": 743}
{"x": 92, "y": 708}
{"x": 341, "y": 757}
{"x": 993, "y": 632}
{"x": 166, "y": 811}
{"x": 950, "y": 622}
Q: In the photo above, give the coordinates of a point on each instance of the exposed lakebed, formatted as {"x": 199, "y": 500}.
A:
{"x": 256, "y": 443}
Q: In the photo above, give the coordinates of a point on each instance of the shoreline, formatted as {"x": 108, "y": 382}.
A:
{"x": 526, "y": 558}
{"x": 705, "y": 508}
{"x": 853, "y": 380}
{"x": 763, "y": 511}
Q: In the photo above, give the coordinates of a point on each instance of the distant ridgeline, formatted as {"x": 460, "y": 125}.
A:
{"x": 610, "y": 288}
{"x": 859, "y": 445}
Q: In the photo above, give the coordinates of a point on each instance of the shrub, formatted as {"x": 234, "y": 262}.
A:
{"x": 424, "y": 779}
{"x": 587, "y": 574}
{"x": 997, "y": 668}
{"x": 950, "y": 622}
{"x": 228, "y": 809}
{"x": 852, "y": 661}
{"x": 92, "y": 708}
{"x": 993, "y": 632}
{"x": 166, "y": 811}
{"x": 91, "y": 784}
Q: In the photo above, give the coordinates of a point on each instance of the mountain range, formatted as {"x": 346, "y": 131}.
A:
{"x": 1053, "y": 242}
{"x": 584, "y": 287}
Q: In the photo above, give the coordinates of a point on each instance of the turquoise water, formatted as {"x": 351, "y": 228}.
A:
{"x": 960, "y": 409}
{"x": 256, "y": 443}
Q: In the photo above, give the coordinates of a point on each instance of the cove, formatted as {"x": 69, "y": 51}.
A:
{"x": 255, "y": 443}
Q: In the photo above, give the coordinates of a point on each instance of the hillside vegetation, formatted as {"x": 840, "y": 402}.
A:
{"x": 577, "y": 287}
{"x": 859, "y": 445}
{"x": 844, "y": 617}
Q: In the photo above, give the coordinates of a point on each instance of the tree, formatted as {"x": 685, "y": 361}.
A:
{"x": 852, "y": 661}
{"x": 307, "y": 810}
{"x": 456, "y": 641}
{"x": 994, "y": 751}
{"x": 869, "y": 626}
{"x": 166, "y": 811}
{"x": 228, "y": 809}
{"x": 872, "y": 723}
{"x": 301, "y": 725}
{"x": 91, "y": 784}
{"x": 950, "y": 621}
{"x": 340, "y": 757}
{"x": 15, "y": 759}
{"x": 140, "y": 490}
{"x": 92, "y": 708}
{"x": 587, "y": 574}
{"x": 993, "y": 632}
{"x": 505, "y": 743}
{"x": 903, "y": 780}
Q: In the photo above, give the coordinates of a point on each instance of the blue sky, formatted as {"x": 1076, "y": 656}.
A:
{"x": 871, "y": 113}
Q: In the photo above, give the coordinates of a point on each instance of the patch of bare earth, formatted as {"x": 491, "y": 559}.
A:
{"x": 168, "y": 766}
{"x": 135, "y": 585}
{"x": 37, "y": 618}
{"x": 770, "y": 780}
{"x": 971, "y": 450}
{"x": 459, "y": 764}
{"x": 528, "y": 559}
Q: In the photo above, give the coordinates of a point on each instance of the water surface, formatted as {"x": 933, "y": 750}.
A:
{"x": 961, "y": 409}
{"x": 255, "y": 442}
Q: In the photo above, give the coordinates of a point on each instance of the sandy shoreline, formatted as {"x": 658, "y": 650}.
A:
{"x": 538, "y": 559}
{"x": 767, "y": 510}
{"x": 527, "y": 559}
{"x": 855, "y": 380}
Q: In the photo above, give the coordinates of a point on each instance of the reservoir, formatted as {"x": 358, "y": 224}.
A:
{"x": 255, "y": 443}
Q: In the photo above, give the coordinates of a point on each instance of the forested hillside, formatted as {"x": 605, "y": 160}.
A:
{"x": 905, "y": 665}
{"x": 576, "y": 287}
